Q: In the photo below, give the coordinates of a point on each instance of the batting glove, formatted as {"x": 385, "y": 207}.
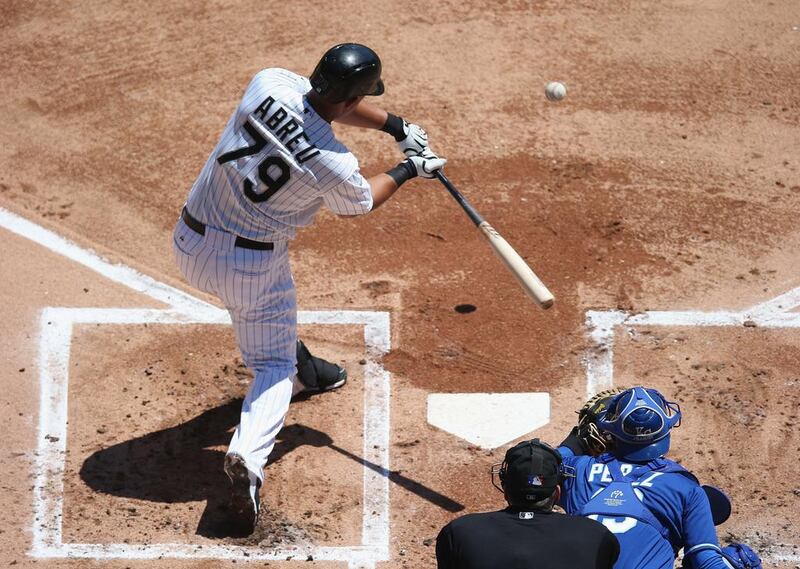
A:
{"x": 426, "y": 163}
{"x": 415, "y": 139}
{"x": 411, "y": 138}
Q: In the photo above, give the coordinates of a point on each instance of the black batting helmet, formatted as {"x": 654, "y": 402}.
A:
{"x": 347, "y": 70}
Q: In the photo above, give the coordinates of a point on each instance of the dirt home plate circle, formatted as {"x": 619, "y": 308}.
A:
{"x": 555, "y": 91}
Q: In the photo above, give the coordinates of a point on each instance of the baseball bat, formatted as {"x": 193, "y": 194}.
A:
{"x": 516, "y": 265}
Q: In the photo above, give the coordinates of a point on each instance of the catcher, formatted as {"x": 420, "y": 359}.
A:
{"x": 654, "y": 506}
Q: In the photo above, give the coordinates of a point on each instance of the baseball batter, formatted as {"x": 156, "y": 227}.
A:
{"x": 277, "y": 162}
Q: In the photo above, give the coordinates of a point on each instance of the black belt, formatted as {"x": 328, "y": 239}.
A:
{"x": 199, "y": 227}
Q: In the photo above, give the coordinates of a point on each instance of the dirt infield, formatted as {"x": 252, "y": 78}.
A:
{"x": 667, "y": 180}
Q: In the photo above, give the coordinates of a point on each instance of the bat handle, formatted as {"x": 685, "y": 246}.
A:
{"x": 476, "y": 218}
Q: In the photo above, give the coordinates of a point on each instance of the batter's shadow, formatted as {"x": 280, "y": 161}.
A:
{"x": 176, "y": 465}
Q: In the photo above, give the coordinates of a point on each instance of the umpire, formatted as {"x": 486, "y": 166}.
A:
{"x": 528, "y": 534}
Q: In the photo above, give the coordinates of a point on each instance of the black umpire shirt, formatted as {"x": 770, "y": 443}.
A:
{"x": 511, "y": 539}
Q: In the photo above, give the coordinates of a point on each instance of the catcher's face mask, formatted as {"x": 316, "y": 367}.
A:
{"x": 639, "y": 417}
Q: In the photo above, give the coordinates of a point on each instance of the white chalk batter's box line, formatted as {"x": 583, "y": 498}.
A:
{"x": 602, "y": 325}
{"x": 57, "y": 326}
{"x": 55, "y": 341}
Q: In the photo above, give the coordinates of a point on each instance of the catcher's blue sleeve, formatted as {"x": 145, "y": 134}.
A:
{"x": 698, "y": 530}
{"x": 707, "y": 559}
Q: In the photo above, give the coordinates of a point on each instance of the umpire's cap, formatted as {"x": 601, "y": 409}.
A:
{"x": 530, "y": 472}
{"x": 347, "y": 70}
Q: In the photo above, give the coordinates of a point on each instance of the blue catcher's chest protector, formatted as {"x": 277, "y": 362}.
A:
{"x": 619, "y": 498}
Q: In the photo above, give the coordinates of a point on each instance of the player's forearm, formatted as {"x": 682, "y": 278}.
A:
{"x": 383, "y": 187}
{"x": 567, "y": 451}
{"x": 572, "y": 444}
{"x": 706, "y": 559}
{"x": 365, "y": 115}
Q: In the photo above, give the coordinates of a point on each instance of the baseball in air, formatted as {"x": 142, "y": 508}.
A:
{"x": 555, "y": 91}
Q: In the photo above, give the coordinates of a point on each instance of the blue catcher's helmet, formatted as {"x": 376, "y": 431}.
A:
{"x": 640, "y": 421}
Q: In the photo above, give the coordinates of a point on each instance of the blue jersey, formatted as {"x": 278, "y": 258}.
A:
{"x": 670, "y": 510}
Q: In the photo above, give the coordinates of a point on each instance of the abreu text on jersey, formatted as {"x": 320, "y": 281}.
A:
{"x": 283, "y": 129}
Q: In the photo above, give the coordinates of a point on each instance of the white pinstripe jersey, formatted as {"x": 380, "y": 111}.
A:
{"x": 275, "y": 165}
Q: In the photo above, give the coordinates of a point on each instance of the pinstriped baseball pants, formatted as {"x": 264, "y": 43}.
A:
{"x": 257, "y": 288}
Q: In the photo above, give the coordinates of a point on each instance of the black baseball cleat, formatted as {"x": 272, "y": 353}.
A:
{"x": 317, "y": 375}
{"x": 245, "y": 502}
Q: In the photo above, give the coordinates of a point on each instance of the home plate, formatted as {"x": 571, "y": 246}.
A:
{"x": 489, "y": 420}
